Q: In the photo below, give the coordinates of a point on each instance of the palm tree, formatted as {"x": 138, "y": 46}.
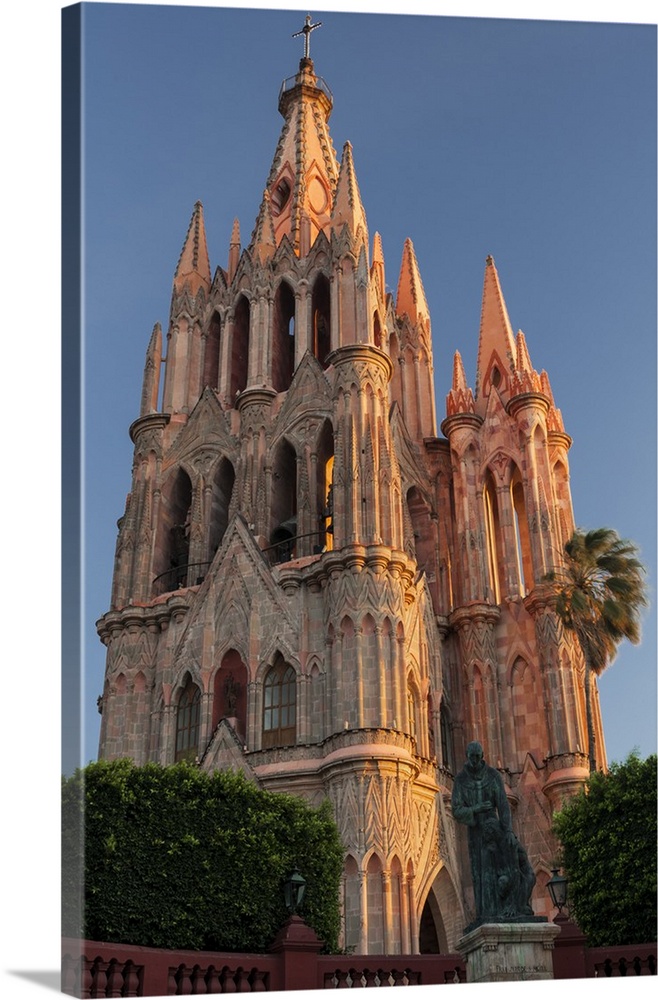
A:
{"x": 599, "y": 593}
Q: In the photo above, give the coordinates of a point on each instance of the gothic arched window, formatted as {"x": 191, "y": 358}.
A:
{"x": 239, "y": 355}
{"x": 222, "y": 491}
{"x": 283, "y": 338}
{"x": 172, "y": 544}
{"x": 187, "y": 722}
{"x": 211, "y": 353}
{"x": 492, "y": 525}
{"x": 279, "y": 705}
{"x": 321, "y": 311}
{"x": 522, "y": 534}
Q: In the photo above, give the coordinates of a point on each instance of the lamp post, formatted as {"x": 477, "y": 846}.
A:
{"x": 557, "y": 886}
{"x": 293, "y": 890}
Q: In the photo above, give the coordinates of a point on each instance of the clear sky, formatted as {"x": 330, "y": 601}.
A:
{"x": 537, "y": 144}
{"x": 533, "y": 141}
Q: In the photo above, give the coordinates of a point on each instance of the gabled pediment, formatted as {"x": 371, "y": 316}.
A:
{"x": 320, "y": 253}
{"x": 309, "y": 391}
{"x": 342, "y": 242}
{"x": 237, "y": 596}
{"x": 285, "y": 259}
{"x": 225, "y": 753}
{"x": 205, "y": 433}
{"x": 496, "y": 430}
{"x": 219, "y": 283}
{"x": 244, "y": 272}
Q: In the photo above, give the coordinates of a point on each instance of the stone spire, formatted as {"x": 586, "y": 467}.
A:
{"x": 193, "y": 270}
{"x": 348, "y": 208}
{"x": 525, "y": 378}
{"x": 151, "y": 378}
{"x": 234, "y": 251}
{"x": 411, "y": 295}
{"x": 263, "y": 241}
{"x": 302, "y": 179}
{"x": 497, "y": 350}
{"x": 460, "y": 397}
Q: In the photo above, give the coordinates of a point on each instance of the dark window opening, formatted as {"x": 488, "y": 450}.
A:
{"x": 279, "y": 196}
{"x": 283, "y": 338}
{"x": 321, "y": 311}
{"x": 172, "y": 546}
{"x": 211, "y": 356}
{"x": 239, "y": 349}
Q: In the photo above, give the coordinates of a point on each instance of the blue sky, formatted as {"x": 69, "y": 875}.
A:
{"x": 541, "y": 154}
{"x": 530, "y": 140}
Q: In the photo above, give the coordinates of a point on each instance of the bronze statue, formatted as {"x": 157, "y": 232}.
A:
{"x": 502, "y": 876}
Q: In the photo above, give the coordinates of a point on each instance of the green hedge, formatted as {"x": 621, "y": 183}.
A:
{"x": 177, "y": 858}
{"x": 608, "y": 839}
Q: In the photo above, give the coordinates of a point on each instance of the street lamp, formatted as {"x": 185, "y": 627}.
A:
{"x": 557, "y": 887}
{"x": 293, "y": 890}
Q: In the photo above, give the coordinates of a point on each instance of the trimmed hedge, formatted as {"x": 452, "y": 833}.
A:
{"x": 608, "y": 838}
{"x": 173, "y": 857}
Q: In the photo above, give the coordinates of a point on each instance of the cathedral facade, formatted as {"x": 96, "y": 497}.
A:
{"x": 317, "y": 585}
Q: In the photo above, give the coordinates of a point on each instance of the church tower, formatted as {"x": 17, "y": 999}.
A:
{"x": 312, "y": 585}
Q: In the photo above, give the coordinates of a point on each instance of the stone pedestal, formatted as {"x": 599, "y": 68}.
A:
{"x": 503, "y": 953}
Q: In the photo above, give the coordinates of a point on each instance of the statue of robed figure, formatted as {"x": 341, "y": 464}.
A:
{"x": 503, "y": 878}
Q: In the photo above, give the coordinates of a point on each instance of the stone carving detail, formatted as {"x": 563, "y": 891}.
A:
{"x": 477, "y": 640}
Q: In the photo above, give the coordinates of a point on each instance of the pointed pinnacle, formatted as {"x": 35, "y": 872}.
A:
{"x": 496, "y": 337}
{"x": 523, "y": 362}
{"x": 193, "y": 268}
{"x": 234, "y": 251}
{"x": 460, "y": 397}
{"x": 347, "y": 207}
{"x": 411, "y": 295}
{"x": 264, "y": 241}
{"x": 458, "y": 373}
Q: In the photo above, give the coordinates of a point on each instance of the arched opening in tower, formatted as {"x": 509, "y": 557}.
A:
{"x": 564, "y": 513}
{"x": 377, "y": 330}
{"x": 172, "y": 545}
{"x": 442, "y": 917}
{"x": 321, "y": 312}
{"x": 283, "y": 338}
{"x": 230, "y": 693}
{"x": 222, "y": 491}
{"x": 494, "y": 541}
{"x": 325, "y": 491}
{"x": 239, "y": 348}
{"x": 351, "y": 905}
{"x": 211, "y": 353}
{"x": 522, "y": 535}
{"x": 428, "y": 939}
{"x": 284, "y": 503}
{"x": 375, "y": 903}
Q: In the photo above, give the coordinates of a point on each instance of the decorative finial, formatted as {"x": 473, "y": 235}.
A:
{"x": 306, "y": 32}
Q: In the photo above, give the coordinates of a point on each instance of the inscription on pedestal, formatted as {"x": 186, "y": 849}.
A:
{"x": 496, "y": 953}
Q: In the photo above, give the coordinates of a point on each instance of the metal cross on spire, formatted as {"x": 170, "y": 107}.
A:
{"x": 306, "y": 32}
